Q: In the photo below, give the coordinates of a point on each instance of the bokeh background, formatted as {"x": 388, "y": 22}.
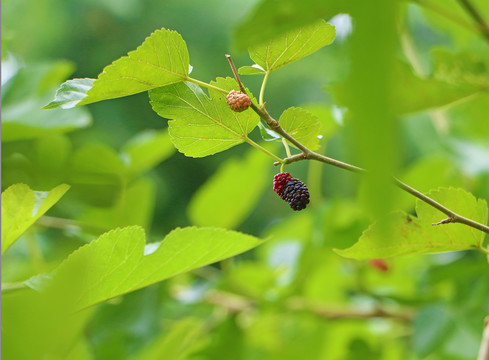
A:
{"x": 278, "y": 301}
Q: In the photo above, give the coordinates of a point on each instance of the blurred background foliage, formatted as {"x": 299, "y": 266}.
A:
{"x": 291, "y": 298}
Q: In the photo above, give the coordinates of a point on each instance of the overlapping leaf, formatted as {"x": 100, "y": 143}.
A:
{"x": 119, "y": 262}
{"x": 416, "y": 235}
{"x": 293, "y": 46}
{"x": 161, "y": 60}
{"x": 202, "y": 125}
{"x": 302, "y": 125}
{"x": 21, "y": 207}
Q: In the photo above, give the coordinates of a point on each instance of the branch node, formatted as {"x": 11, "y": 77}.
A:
{"x": 445, "y": 221}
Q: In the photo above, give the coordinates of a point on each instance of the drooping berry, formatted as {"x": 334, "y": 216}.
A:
{"x": 238, "y": 101}
{"x": 292, "y": 190}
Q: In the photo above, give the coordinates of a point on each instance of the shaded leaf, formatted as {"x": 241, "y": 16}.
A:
{"x": 161, "y": 60}
{"x": 302, "y": 125}
{"x": 293, "y": 46}
{"x": 21, "y": 207}
{"x": 417, "y": 235}
{"x": 229, "y": 194}
{"x": 147, "y": 149}
{"x": 184, "y": 338}
{"x": 202, "y": 125}
{"x": 118, "y": 261}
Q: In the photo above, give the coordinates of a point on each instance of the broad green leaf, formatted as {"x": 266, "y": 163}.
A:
{"x": 293, "y": 46}
{"x": 411, "y": 93}
{"x": 134, "y": 207}
{"x": 302, "y": 125}
{"x": 251, "y": 70}
{"x": 202, "y": 125}
{"x": 270, "y": 19}
{"x": 119, "y": 262}
{"x": 21, "y": 207}
{"x": 147, "y": 149}
{"x": 161, "y": 60}
{"x": 24, "y": 95}
{"x": 229, "y": 194}
{"x": 70, "y": 93}
{"x": 97, "y": 174}
{"x": 417, "y": 235}
{"x": 26, "y": 120}
{"x": 184, "y": 338}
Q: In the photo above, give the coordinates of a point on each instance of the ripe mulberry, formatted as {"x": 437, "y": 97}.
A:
{"x": 238, "y": 101}
{"x": 292, "y": 190}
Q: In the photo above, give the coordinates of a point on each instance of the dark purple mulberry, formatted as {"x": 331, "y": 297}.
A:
{"x": 292, "y": 190}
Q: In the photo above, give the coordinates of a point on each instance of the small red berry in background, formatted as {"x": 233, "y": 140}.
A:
{"x": 238, "y": 101}
{"x": 379, "y": 264}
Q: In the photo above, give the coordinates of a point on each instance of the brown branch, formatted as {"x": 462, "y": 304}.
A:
{"x": 477, "y": 17}
{"x": 307, "y": 154}
{"x": 237, "y": 303}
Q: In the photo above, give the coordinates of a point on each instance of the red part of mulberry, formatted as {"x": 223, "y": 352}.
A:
{"x": 292, "y": 190}
{"x": 279, "y": 181}
{"x": 238, "y": 101}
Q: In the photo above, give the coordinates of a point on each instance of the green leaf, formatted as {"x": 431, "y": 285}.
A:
{"x": 293, "y": 46}
{"x": 70, "y": 93}
{"x": 302, "y": 125}
{"x": 119, "y": 262}
{"x": 147, "y": 149}
{"x": 270, "y": 18}
{"x": 21, "y": 207}
{"x": 202, "y": 125}
{"x": 417, "y": 235}
{"x": 268, "y": 134}
{"x": 229, "y": 194}
{"x": 24, "y": 95}
{"x": 184, "y": 338}
{"x": 96, "y": 173}
{"x": 161, "y": 60}
{"x": 251, "y": 70}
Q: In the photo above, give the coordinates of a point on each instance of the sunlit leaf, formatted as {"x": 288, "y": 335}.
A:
{"x": 302, "y": 125}
{"x": 251, "y": 70}
{"x": 202, "y": 125}
{"x": 21, "y": 207}
{"x": 118, "y": 261}
{"x": 161, "y": 60}
{"x": 293, "y": 46}
{"x": 416, "y": 235}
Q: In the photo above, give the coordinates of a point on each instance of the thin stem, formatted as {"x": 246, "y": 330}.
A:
{"x": 447, "y": 14}
{"x": 209, "y": 86}
{"x": 484, "y": 250}
{"x": 286, "y": 146}
{"x": 484, "y": 347}
{"x": 269, "y": 153}
{"x": 235, "y": 72}
{"x": 483, "y": 27}
{"x": 262, "y": 89}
